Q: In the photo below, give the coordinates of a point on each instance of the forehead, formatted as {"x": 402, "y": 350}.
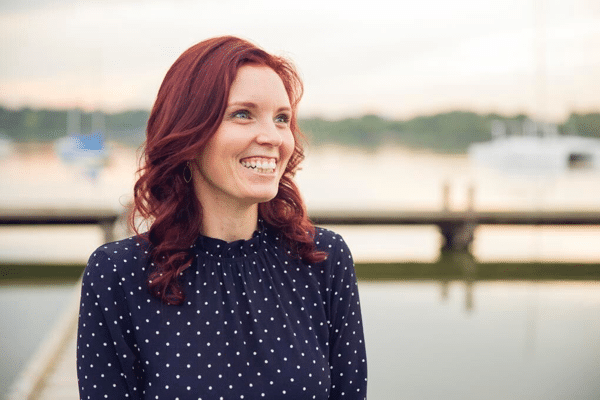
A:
{"x": 258, "y": 83}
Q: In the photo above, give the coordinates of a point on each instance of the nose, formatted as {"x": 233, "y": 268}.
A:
{"x": 269, "y": 133}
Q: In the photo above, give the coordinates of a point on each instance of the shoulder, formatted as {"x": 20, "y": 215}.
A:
{"x": 325, "y": 238}
{"x": 121, "y": 258}
{"x": 338, "y": 268}
{"x": 332, "y": 243}
{"x": 123, "y": 251}
{"x": 132, "y": 246}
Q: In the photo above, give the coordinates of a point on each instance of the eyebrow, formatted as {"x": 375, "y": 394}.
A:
{"x": 252, "y": 105}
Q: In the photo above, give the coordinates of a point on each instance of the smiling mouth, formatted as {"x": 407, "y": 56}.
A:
{"x": 260, "y": 164}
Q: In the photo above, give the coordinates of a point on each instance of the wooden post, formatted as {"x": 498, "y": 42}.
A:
{"x": 471, "y": 198}
{"x": 108, "y": 227}
{"x": 446, "y": 196}
{"x": 459, "y": 234}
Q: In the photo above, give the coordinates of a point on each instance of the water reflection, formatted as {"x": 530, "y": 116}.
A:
{"x": 462, "y": 266}
{"x": 522, "y": 340}
{"x": 459, "y": 329}
{"x": 452, "y": 329}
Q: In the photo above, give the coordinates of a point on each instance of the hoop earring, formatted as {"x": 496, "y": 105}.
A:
{"x": 187, "y": 173}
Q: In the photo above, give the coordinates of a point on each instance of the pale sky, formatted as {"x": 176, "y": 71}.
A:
{"x": 394, "y": 58}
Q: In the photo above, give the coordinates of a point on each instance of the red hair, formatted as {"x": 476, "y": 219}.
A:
{"x": 189, "y": 108}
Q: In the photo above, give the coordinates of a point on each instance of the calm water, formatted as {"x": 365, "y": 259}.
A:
{"x": 425, "y": 339}
{"x": 469, "y": 336}
{"x": 519, "y": 340}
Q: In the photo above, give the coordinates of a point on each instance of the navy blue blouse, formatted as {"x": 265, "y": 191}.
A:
{"x": 256, "y": 324}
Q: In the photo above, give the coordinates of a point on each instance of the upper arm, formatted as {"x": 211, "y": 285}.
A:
{"x": 347, "y": 346}
{"x": 107, "y": 365}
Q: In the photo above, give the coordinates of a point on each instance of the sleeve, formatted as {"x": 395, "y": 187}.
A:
{"x": 107, "y": 366}
{"x": 347, "y": 353}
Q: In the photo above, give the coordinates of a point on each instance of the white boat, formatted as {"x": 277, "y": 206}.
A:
{"x": 536, "y": 150}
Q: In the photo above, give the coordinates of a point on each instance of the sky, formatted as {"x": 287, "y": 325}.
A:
{"x": 397, "y": 59}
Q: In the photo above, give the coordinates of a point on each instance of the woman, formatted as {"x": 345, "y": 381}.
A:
{"x": 231, "y": 293}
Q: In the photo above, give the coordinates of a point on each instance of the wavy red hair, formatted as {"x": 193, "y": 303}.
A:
{"x": 189, "y": 108}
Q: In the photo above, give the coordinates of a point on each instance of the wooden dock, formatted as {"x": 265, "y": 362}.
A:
{"x": 51, "y": 373}
{"x": 61, "y": 381}
{"x": 105, "y": 218}
{"x": 457, "y": 227}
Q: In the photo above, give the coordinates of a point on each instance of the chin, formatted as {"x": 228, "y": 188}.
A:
{"x": 263, "y": 197}
{"x": 259, "y": 193}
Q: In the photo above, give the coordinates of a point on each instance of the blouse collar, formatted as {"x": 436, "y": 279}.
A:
{"x": 219, "y": 248}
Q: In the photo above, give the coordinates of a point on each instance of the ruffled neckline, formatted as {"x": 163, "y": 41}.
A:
{"x": 218, "y": 248}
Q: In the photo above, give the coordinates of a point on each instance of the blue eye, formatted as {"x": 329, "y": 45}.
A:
{"x": 244, "y": 114}
{"x": 282, "y": 118}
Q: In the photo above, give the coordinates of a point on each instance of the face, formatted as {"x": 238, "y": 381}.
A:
{"x": 243, "y": 162}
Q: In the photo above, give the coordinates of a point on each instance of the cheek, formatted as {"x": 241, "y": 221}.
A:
{"x": 208, "y": 162}
{"x": 288, "y": 145}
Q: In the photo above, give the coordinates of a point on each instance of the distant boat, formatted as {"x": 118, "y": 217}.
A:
{"x": 84, "y": 150}
{"x": 536, "y": 151}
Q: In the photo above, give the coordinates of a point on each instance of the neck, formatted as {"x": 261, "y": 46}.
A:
{"x": 229, "y": 224}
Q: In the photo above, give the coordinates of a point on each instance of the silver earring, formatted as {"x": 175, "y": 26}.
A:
{"x": 187, "y": 173}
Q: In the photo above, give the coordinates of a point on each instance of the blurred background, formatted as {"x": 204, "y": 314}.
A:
{"x": 483, "y": 111}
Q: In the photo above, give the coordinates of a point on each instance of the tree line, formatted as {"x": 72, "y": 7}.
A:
{"x": 444, "y": 132}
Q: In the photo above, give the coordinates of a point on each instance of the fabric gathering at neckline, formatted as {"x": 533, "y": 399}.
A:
{"x": 221, "y": 249}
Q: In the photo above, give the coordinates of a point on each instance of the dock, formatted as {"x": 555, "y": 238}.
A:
{"x": 457, "y": 227}
{"x": 51, "y": 373}
{"x": 104, "y": 218}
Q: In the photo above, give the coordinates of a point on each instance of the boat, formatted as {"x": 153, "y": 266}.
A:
{"x": 87, "y": 150}
{"x": 84, "y": 151}
{"x": 537, "y": 148}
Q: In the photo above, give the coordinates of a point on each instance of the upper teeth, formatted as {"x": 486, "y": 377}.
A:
{"x": 262, "y": 163}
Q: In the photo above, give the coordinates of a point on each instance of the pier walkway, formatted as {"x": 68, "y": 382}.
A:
{"x": 61, "y": 381}
{"x": 457, "y": 227}
{"x": 51, "y": 373}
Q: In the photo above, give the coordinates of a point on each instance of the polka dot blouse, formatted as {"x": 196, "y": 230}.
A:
{"x": 256, "y": 324}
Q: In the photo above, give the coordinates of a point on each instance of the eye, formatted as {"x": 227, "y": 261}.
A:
{"x": 282, "y": 118}
{"x": 243, "y": 114}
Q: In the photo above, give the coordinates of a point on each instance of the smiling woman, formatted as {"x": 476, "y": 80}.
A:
{"x": 243, "y": 162}
{"x": 232, "y": 293}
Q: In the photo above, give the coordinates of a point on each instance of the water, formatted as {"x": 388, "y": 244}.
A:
{"x": 519, "y": 340}
{"x": 425, "y": 339}
{"x": 430, "y": 334}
